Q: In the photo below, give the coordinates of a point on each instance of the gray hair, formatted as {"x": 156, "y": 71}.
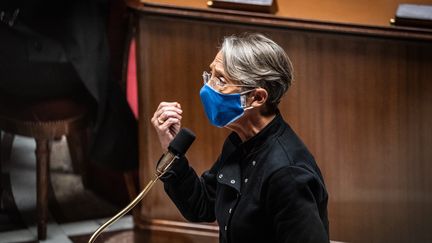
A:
{"x": 254, "y": 59}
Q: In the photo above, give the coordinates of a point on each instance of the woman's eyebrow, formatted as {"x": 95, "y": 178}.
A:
{"x": 219, "y": 71}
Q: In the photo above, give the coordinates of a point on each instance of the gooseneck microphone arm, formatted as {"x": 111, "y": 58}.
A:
{"x": 177, "y": 148}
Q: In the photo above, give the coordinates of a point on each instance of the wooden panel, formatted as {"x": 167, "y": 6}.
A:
{"x": 169, "y": 57}
{"x": 362, "y": 105}
{"x": 363, "y": 108}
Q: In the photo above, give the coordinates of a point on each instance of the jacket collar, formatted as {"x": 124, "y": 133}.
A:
{"x": 230, "y": 173}
{"x": 261, "y": 138}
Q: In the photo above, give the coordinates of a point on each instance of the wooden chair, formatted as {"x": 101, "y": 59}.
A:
{"x": 45, "y": 121}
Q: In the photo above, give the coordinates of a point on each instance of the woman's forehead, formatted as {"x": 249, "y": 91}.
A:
{"x": 218, "y": 62}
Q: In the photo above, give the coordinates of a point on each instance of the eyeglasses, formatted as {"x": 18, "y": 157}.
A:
{"x": 220, "y": 82}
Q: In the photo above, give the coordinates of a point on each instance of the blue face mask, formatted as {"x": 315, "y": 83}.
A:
{"x": 222, "y": 109}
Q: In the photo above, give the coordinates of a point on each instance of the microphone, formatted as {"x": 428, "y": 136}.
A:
{"x": 177, "y": 148}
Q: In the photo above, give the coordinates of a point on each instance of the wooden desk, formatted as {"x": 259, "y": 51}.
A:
{"x": 361, "y": 101}
{"x": 367, "y": 12}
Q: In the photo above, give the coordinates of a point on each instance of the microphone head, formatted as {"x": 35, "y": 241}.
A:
{"x": 181, "y": 142}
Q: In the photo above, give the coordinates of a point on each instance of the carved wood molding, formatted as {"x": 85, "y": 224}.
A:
{"x": 207, "y": 230}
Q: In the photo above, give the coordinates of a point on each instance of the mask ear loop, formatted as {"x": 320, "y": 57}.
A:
{"x": 243, "y": 99}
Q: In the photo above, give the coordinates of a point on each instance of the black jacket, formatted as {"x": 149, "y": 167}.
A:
{"x": 268, "y": 189}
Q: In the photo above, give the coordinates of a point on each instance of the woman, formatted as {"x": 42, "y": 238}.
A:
{"x": 265, "y": 186}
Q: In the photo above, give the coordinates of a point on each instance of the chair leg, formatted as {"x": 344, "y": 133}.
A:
{"x": 77, "y": 144}
{"x": 42, "y": 179}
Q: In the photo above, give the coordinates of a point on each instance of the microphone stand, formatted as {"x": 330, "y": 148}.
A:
{"x": 162, "y": 166}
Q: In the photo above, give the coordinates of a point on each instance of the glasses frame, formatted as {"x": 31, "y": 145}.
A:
{"x": 207, "y": 78}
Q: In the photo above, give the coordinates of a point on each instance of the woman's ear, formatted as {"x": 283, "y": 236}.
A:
{"x": 258, "y": 97}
